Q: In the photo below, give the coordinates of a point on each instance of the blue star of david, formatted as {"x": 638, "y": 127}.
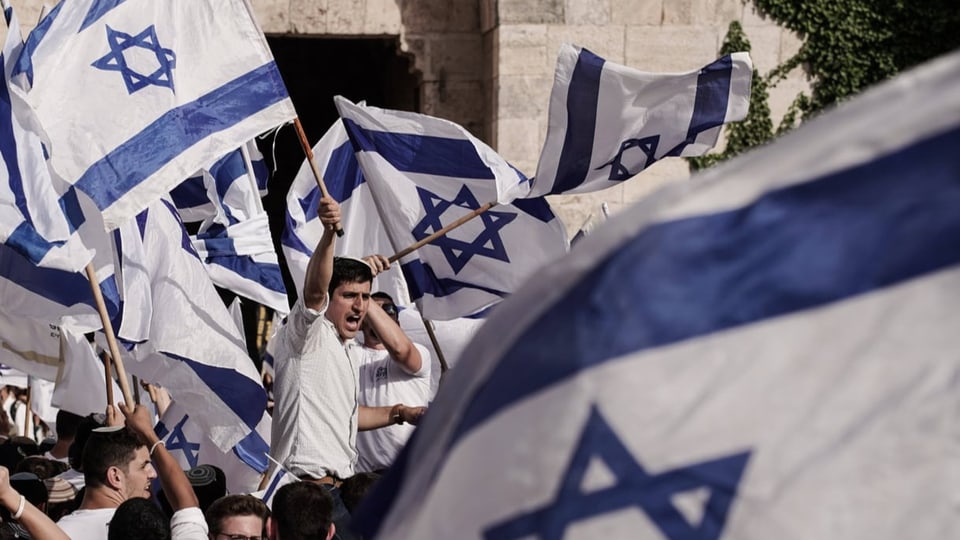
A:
{"x": 178, "y": 441}
{"x": 634, "y": 487}
{"x": 116, "y": 61}
{"x": 647, "y": 145}
{"x": 458, "y": 252}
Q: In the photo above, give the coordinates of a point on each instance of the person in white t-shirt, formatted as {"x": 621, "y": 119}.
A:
{"x": 393, "y": 369}
{"x": 116, "y": 467}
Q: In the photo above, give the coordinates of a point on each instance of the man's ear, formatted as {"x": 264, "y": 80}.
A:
{"x": 333, "y": 531}
{"x": 115, "y": 478}
{"x": 271, "y": 528}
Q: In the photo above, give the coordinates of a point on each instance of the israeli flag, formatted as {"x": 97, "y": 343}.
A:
{"x": 235, "y": 243}
{"x": 136, "y": 95}
{"x": 60, "y": 297}
{"x": 424, "y": 173}
{"x": 186, "y": 439}
{"x": 34, "y": 219}
{"x": 364, "y": 233}
{"x": 194, "y": 349}
{"x": 608, "y": 122}
{"x": 279, "y": 478}
{"x": 80, "y": 379}
{"x": 191, "y": 197}
{"x": 766, "y": 351}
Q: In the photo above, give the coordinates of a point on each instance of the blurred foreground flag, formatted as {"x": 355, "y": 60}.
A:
{"x": 137, "y": 95}
{"x": 608, "y": 122}
{"x": 424, "y": 173}
{"x": 766, "y": 351}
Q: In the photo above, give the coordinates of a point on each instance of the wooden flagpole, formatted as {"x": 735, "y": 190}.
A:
{"x": 305, "y": 144}
{"x": 404, "y": 252}
{"x": 108, "y": 376}
{"x": 436, "y": 344}
{"x": 111, "y": 339}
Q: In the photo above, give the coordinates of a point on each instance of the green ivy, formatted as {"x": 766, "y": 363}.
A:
{"x": 848, "y": 45}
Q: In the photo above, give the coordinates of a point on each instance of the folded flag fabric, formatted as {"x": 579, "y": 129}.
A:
{"x": 136, "y": 95}
{"x": 34, "y": 219}
{"x": 364, "y": 233}
{"x": 765, "y": 351}
{"x": 424, "y": 173}
{"x": 607, "y": 122}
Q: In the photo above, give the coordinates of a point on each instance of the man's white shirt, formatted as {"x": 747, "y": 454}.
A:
{"x": 385, "y": 382}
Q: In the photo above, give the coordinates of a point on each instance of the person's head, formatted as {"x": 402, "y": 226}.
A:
{"x": 301, "y": 511}
{"x": 141, "y": 519}
{"x": 355, "y": 488}
{"x": 117, "y": 460}
{"x": 209, "y": 484}
{"x": 84, "y": 429}
{"x": 67, "y": 424}
{"x": 41, "y": 466}
{"x": 348, "y": 295}
{"x": 385, "y": 301}
{"x": 236, "y": 515}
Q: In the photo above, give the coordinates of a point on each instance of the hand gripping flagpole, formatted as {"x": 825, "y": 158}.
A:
{"x": 313, "y": 166}
{"x": 111, "y": 338}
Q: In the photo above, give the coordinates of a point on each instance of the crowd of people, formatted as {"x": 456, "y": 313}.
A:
{"x": 349, "y": 385}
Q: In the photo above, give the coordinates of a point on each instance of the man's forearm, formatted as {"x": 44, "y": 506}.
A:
{"x": 319, "y": 272}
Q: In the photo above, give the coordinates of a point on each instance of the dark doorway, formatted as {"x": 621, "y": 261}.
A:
{"x": 315, "y": 70}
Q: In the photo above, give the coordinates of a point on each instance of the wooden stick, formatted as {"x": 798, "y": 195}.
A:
{"x": 111, "y": 338}
{"x": 404, "y": 252}
{"x": 108, "y": 376}
{"x": 313, "y": 166}
{"x": 28, "y": 417}
{"x": 436, "y": 344}
{"x": 136, "y": 390}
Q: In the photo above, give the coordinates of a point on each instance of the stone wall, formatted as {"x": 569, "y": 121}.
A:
{"x": 488, "y": 64}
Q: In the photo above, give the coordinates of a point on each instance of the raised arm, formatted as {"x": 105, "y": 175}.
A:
{"x": 320, "y": 267}
{"x": 176, "y": 485}
{"x": 32, "y": 518}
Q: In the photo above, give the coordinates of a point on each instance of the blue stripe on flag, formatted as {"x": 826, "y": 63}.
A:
{"x": 24, "y": 63}
{"x": 244, "y": 396}
{"x": 139, "y": 157}
{"x": 422, "y": 280}
{"x": 274, "y": 483}
{"x": 97, "y": 10}
{"x": 70, "y": 205}
{"x": 846, "y": 234}
{"x": 421, "y": 154}
{"x": 253, "y": 451}
{"x": 65, "y": 288}
{"x": 290, "y": 239}
{"x": 266, "y": 274}
{"x": 342, "y": 177}
{"x": 583, "y": 96}
{"x": 537, "y": 207}
{"x": 225, "y": 172}
{"x": 190, "y": 193}
{"x": 710, "y": 103}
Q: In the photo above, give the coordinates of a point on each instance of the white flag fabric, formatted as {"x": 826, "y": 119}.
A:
{"x": 187, "y": 441}
{"x": 29, "y": 345}
{"x": 765, "y": 351}
{"x": 191, "y": 199}
{"x": 608, "y": 122}
{"x": 137, "y": 95}
{"x": 363, "y": 232}
{"x": 194, "y": 349}
{"x": 424, "y": 173}
{"x": 34, "y": 219}
{"x": 279, "y": 478}
{"x": 234, "y": 242}
{"x": 81, "y": 382}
